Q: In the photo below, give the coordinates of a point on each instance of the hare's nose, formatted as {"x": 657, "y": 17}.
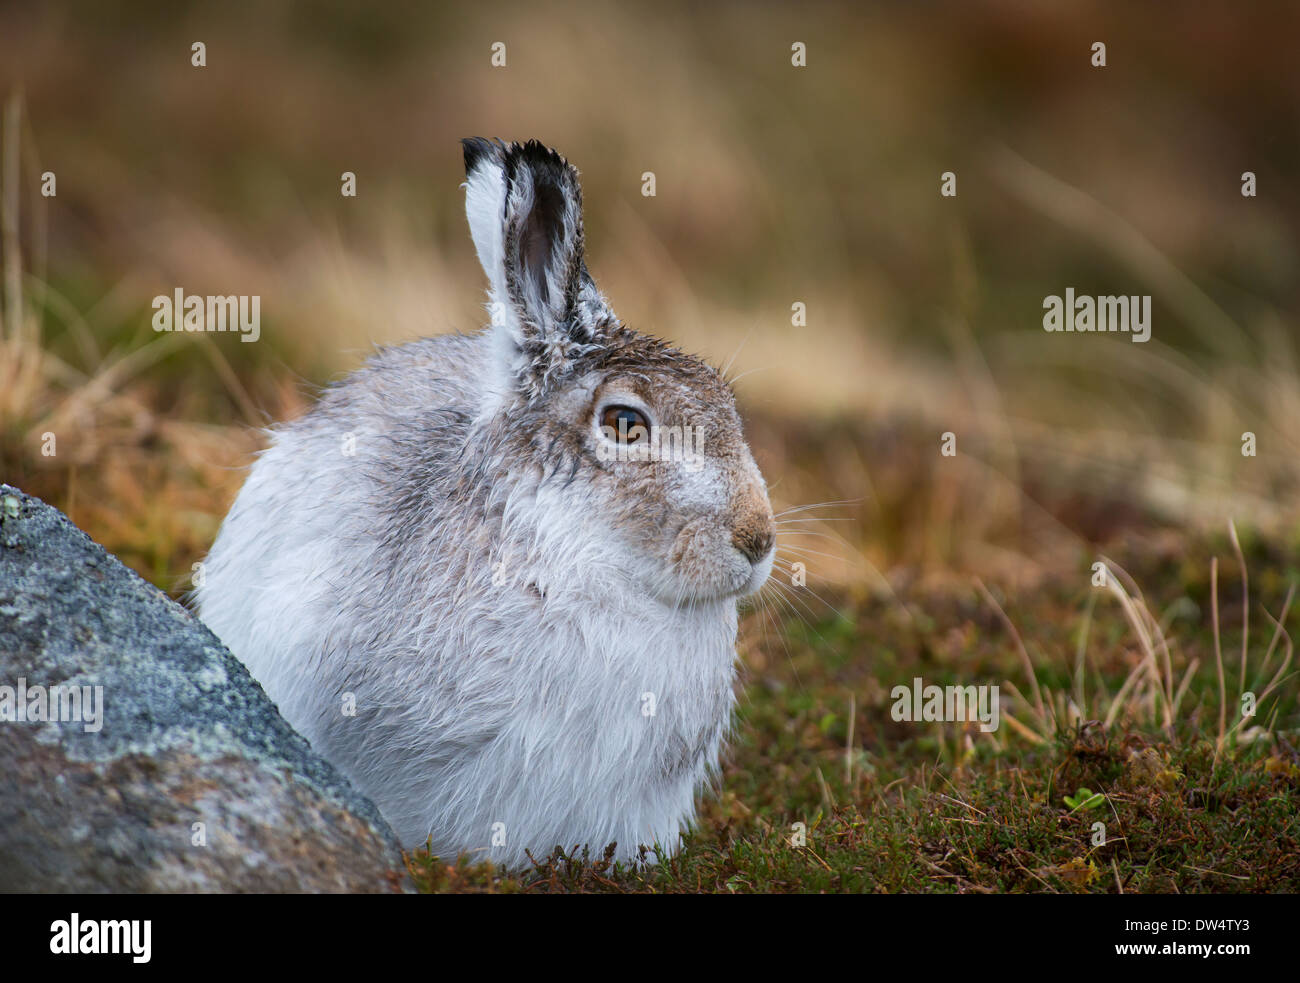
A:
{"x": 754, "y": 539}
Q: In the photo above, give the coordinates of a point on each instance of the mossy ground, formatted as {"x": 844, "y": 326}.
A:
{"x": 900, "y": 807}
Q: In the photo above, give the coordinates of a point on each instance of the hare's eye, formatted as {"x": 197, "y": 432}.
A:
{"x": 624, "y": 424}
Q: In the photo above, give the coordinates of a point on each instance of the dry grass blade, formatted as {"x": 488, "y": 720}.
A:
{"x": 1150, "y": 636}
{"x": 14, "y": 320}
{"x": 1020, "y": 648}
{"x": 1218, "y": 653}
{"x": 1245, "y": 601}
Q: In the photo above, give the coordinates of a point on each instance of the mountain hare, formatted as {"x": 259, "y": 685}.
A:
{"x": 493, "y": 577}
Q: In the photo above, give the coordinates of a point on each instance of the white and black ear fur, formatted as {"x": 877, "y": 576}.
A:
{"x": 524, "y": 206}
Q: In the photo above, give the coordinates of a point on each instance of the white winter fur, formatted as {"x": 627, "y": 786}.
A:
{"x": 518, "y": 680}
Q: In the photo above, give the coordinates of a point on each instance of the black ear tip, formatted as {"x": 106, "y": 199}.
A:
{"x": 477, "y": 149}
{"x": 547, "y": 166}
{"x": 538, "y": 154}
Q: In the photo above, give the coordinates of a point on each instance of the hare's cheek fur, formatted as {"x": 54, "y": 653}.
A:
{"x": 691, "y": 531}
{"x": 705, "y": 560}
{"x": 727, "y": 550}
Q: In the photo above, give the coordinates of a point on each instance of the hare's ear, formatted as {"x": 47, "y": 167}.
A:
{"x": 525, "y": 215}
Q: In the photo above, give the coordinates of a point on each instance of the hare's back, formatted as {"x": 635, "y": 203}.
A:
{"x": 391, "y": 438}
{"x": 334, "y": 500}
{"x": 432, "y": 375}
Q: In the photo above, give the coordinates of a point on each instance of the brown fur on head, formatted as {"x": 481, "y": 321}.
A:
{"x": 688, "y": 501}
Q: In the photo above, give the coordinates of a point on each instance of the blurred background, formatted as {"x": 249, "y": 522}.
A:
{"x": 776, "y": 185}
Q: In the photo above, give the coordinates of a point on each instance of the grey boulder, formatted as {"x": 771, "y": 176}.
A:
{"x": 138, "y": 755}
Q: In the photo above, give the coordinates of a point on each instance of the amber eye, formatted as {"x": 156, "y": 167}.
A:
{"x": 624, "y": 424}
